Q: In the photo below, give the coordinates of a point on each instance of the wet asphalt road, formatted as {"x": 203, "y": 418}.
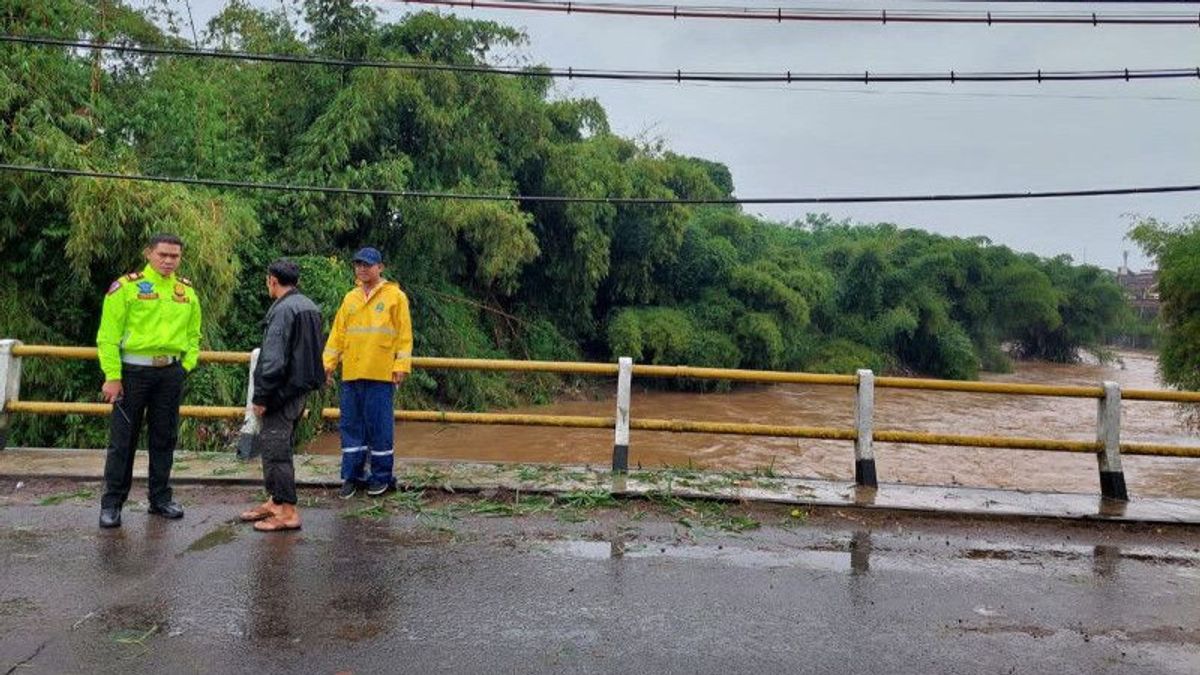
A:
{"x": 627, "y": 589}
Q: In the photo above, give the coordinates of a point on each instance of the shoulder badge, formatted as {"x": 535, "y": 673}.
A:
{"x": 133, "y": 276}
{"x": 116, "y": 286}
{"x": 184, "y": 280}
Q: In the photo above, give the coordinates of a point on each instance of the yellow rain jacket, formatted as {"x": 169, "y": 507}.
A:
{"x": 372, "y": 335}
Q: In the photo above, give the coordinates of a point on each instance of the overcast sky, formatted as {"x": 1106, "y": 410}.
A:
{"x": 829, "y": 140}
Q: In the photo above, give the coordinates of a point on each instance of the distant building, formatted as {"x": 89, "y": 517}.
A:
{"x": 1141, "y": 288}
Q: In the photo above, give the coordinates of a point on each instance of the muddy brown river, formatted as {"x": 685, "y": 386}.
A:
{"x": 915, "y": 410}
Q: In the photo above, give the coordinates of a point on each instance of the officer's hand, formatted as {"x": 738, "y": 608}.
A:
{"x": 112, "y": 390}
{"x": 398, "y": 378}
{"x": 259, "y": 410}
{"x": 329, "y": 377}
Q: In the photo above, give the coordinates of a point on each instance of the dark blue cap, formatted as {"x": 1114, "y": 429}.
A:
{"x": 368, "y": 255}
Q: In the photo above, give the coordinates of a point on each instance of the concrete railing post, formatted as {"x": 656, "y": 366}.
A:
{"x": 864, "y": 424}
{"x": 620, "y": 458}
{"x": 10, "y": 384}
{"x": 1108, "y": 432}
{"x": 251, "y": 425}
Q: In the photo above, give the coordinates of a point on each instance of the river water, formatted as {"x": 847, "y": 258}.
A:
{"x": 812, "y": 405}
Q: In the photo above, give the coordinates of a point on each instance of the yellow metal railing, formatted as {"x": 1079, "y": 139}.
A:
{"x": 731, "y": 374}
{"x": 862, "y": 434}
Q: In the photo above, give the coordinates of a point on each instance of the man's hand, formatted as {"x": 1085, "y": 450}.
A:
{"x": 398, "y": 378}
{"x": 112, "y": 390}
{"x": 259, "y": 410}
{"x": 329, "y": 377}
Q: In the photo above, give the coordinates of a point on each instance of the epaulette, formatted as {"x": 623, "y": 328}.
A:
{"x": 133, "y": 276}
{"x": 185, "y": 281}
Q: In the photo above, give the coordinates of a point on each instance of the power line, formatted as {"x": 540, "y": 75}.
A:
{"x": 1061, "y": 2}
{"x": 677, "y": 76}
{"x": 1041, "y": 96}
{"x": 781, "y": 14}
{"x": 621, "y": 201}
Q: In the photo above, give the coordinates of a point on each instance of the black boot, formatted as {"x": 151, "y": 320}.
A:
{"x": 110, "y": 517}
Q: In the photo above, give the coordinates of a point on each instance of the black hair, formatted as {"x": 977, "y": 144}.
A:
{"x": 164, "y": 238}
{"x": 286, "y": 272}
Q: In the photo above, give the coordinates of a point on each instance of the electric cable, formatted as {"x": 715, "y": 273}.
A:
{"x": 678, "y": 76}
{"x": 619, "y": 201}
{"x": 824, "y": 15}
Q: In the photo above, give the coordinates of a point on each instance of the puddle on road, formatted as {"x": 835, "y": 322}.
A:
{"x": 741, "y": 557}
{"x": 858, "y": 555}
{"x": 223, "y": 534}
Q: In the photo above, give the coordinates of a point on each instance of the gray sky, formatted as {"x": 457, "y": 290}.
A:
{"x": 828, "y": 140}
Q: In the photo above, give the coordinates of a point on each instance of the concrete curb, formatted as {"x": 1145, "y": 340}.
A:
{"x": 316, "y": 471}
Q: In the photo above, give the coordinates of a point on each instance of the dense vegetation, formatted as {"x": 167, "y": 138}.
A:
{"x": 1176, "y": 248}
{"x": 663, "y": 284}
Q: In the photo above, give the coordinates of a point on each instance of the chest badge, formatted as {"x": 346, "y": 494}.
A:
{"x": 146, "y": 291}
{"x": 379, "y": 307}
{"x": 180, "y": 293}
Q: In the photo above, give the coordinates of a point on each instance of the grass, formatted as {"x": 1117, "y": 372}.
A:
{"x": 587, "y": 499}
{"x": 225, "y": 470}
{"x": 531, "y": 473}
{"x": 412, "y": 501}
{"x": 134, "y": 637}
{"x": 373, "y": 511}
{"x": 700, "y": 513}
{"x": 426, "y": 477}
{"x": 573, "y": 506}
{"x": 78, "y": 495}
{"x": 519, "y": 506}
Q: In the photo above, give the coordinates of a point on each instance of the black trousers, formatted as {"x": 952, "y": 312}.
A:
{"x": 274, "y": 442}
{"x": 152, "y": 394}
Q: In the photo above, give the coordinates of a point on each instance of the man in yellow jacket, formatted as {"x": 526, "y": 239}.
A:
{"x": 372, "y": 339}
{"x": 149, "y": 337}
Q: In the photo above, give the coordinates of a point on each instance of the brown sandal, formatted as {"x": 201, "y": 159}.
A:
{"x": 257, "y": 513}
{"x": 275, "y": 524}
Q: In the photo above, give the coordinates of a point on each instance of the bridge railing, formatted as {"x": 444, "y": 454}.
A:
{"x": 1107, "y": 447}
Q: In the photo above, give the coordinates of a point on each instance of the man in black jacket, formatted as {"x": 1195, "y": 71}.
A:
{"x": 289, "y": 367}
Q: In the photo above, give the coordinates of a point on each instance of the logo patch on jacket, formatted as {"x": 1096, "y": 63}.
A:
{"x": 181, "y": 293}
{"x": 146, "y": 291}
{"x": 379, "y": 307}
{"x": 116, "y": 286}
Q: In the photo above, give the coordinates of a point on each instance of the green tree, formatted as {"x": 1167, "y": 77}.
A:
{"x": 1176, "y": 249}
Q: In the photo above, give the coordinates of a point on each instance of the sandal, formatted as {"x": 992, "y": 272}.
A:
{"x": 274, "y": 524}
{"x": 257, "y": 513}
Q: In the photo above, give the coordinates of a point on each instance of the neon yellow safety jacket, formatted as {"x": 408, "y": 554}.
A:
{"x": 371, "y": 335}
{"x": 147, "y": 314}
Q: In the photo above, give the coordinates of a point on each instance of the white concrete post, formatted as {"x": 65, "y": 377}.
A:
{"x": 1108, "y": 432}
{"x": 864, "y": 424}
{"x": 620, "y": 459}
{"x": 10, "y": 384}
{"x": 251, "y": 425}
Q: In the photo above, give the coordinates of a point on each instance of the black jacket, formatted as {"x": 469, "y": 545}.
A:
{"x": 289, "y": 363}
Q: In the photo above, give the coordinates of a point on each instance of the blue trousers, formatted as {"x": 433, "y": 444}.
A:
{"x": 367, "y": 426}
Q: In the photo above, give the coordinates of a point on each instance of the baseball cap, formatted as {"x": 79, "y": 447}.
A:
{"x": 368, "y": 255}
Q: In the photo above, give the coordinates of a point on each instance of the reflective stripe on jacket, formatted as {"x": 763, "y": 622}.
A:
{"x": 371, "y": 335}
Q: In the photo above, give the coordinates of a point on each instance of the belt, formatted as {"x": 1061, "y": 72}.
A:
{"x": 153, "y": 361}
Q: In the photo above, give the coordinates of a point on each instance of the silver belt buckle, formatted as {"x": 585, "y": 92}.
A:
{"x": 160, "y": 361}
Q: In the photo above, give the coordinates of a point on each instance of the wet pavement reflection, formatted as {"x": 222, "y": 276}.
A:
{"x": 626, "y": 585}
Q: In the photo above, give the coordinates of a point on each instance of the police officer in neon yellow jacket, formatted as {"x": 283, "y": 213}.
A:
{"x": 372, "y": 339}
{"x": 149, "y": 337}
